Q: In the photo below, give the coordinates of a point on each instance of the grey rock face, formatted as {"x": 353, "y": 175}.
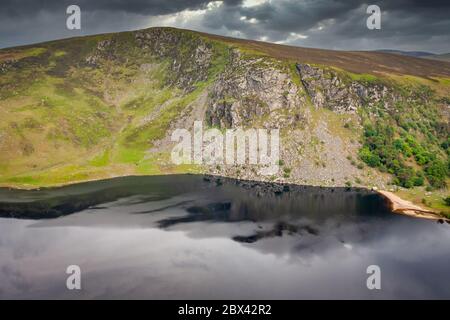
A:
{"x": 6, "y": 65}
{"x": 328, "y": 90}
{"x": 249, "y": 89}
{"x": 190, "y": 57}
{"x": 255, "y": 88}
{"x": 104, "y": 50}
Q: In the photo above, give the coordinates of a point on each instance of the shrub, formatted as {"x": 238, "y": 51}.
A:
{"x": 371, "y": 159}
{"x": 381, "y": 150}
{"x": 447, "y": 201}
{"x": 287, "y": 172}
{"x": 436, "y": 172}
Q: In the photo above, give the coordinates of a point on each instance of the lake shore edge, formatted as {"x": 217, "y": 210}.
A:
{"x": 395, "y": 202}
{"x": 402, "y": 206}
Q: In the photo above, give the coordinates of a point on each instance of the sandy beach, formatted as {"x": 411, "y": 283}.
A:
{"x": 399, "y": 205}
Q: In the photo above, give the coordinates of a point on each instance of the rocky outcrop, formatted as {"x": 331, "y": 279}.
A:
{"x": 190, "y": 58}
{"x": 249, "y": 89}
{"x": 260, "y": 92}
{"x": 103, "y": 51}
{"x": 254, "y": 87}
{"x": 6, "y": 65}
{"x": 328, "y": 90}
{"x": 258, "y": 88}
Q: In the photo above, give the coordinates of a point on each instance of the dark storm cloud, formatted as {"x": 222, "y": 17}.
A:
{"x": 406, "y": 24}
{"x": 152, "y": 7}
{"x": 29, "y": 21}
{"x": 336, "y": 24}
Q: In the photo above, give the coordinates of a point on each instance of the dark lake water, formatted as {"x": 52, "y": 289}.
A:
{"x": 192, "y": 237}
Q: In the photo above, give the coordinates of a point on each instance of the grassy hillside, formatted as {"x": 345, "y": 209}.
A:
{"x": 102, "y": 106}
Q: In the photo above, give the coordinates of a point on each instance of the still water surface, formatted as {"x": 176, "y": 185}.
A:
{"x": 183, "y": 237}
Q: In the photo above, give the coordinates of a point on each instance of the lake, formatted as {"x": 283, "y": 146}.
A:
{"x": 198, "y": 237}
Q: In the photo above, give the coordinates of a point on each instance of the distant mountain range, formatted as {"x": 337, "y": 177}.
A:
{"x": 443, "y": 57}
{"x": 419, "y": 54}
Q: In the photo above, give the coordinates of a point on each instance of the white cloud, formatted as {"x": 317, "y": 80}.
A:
{"x": 253, "y": 3}
{"x": 293, "y": 38}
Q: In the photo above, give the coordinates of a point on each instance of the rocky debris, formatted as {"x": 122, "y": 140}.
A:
{"x": 261, "y": 92}
{"x": 190, "y": 57}
{"x": 6, "y": 65}
{"x": 259, "y": 188}
{"x": 104, "y": 50}
{"x": 258, "y": 92}
{"x": 273, "y": 189}
{"x": 249, "y": 89}
{"x": 376, "y": 93}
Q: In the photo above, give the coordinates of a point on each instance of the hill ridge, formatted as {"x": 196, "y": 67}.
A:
{"x": 354, "y": 60}
{"x": 105, "y": 105}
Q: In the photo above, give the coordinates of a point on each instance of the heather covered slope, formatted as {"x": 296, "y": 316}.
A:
{"x": 103, "y": 106}
{"x": 370, "y": 62}
{"x": 441, "y": 57}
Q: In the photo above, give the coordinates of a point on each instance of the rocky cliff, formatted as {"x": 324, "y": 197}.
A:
{"x": 107, "y": 105}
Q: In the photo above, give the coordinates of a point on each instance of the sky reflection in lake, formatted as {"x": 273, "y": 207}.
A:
{"x": 206, "y": 240}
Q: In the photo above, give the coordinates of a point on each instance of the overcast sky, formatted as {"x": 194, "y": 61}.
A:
{"x": 333, "y": 24}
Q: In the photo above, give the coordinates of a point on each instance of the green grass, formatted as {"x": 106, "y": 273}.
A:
{"x": 363, "y": 77}
{"x": 433, "y": 200}
{"x": 67, "y": 121}
{"x": 59, "y": 53}
{"x": 101, "y": 160}
{"x": 358, "y": 77}
{"x": 77, "y": 135}
{"x": 129, "y": 155}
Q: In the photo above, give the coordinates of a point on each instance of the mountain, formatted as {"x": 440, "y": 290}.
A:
{"x": 106, "y": 105}
{"x": 417, "y": 54}
{"x": 443, "y": 57}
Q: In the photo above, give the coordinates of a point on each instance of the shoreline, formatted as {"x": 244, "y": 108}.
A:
{"x": 396, "y": 203}
{"x": 401, "y": 206}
